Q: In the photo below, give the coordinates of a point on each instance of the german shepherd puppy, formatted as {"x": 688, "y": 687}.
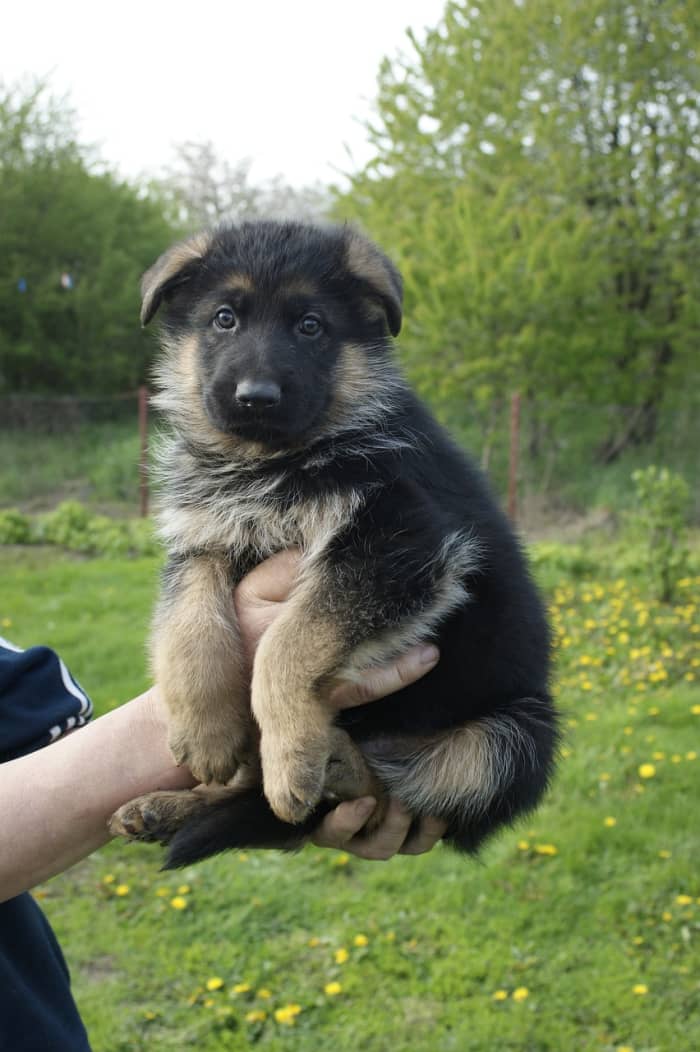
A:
{"x": 294, "y": 427}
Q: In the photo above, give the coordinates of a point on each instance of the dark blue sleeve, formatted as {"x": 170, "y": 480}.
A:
{"x": 39, "y": 700}
{"x": 37, "y": 1010}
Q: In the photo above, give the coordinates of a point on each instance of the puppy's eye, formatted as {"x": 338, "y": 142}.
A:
{"x": 310, "y": 325}
{"x": 224, "y": 318}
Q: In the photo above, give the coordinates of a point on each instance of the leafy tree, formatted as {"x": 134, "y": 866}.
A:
{"x": 537, "y": 177}
{"x": 73, "y": 243}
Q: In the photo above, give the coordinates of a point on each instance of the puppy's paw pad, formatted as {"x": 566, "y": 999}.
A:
{"x": 135, "y": 821}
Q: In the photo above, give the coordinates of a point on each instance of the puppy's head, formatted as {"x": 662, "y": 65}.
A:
{"x": 273, "y": 332}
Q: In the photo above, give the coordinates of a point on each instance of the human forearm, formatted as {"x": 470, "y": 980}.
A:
{"x": 56, "y": 802}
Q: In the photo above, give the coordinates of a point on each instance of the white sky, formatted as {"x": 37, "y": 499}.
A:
{"x": 284, "y": 83}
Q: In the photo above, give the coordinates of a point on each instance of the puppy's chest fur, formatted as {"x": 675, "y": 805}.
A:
{"x": 248, "y": 516}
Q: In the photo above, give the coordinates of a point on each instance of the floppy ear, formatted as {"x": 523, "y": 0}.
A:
{"x": 172, "y": 268}
{"x": 365, "y": 261}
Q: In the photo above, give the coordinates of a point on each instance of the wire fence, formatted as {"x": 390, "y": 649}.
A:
{"x": 541, "y": 458}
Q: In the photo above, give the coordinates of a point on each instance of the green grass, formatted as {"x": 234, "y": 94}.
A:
{"x": 575, "y": 911}
{"x": 94, "y": 463}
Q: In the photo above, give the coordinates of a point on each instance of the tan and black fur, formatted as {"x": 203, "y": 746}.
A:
{"x": 292, "y": 426}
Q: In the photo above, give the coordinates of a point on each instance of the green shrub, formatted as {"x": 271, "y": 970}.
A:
{"x": 15, "y": 528}
{"x": 65, "y": 526}
{"x": 71, "y": 526}
{"x": 660, "y": 522}
{"x": 571, "y": 560}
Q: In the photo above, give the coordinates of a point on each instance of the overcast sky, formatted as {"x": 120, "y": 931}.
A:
{"x": 284, "y": 83}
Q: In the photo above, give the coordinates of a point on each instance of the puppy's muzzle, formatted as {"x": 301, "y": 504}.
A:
{"x": 257, "y": 394}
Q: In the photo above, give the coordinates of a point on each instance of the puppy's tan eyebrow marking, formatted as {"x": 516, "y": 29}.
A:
{"x": 240, "y": 283}
{"x": 299, "y": 287}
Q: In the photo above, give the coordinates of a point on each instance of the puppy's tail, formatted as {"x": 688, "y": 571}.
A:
{"x": 244, "y": 820}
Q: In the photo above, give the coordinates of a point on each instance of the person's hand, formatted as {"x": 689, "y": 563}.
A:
{"x": 259, "y": 599}
{"x": 342, "y": 829}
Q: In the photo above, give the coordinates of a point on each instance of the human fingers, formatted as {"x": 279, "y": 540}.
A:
{"x": 377, "y": 683}
{"x": 429, "y": 831}
{"x": 387, "y": 840}
{"x": 342, "y": 823}
{"x": 260, "y": 596}
{"x": 271, "y": 581}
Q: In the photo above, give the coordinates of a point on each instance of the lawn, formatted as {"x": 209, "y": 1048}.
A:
{"x": 578, "y": 929}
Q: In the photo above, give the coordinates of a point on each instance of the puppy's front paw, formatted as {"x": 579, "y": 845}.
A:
{"x": 211, "y": 754}
{"x": 293, "y": 777}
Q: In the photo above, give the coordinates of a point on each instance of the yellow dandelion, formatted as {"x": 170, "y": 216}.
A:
{"x": 523, "y": 845}
{"x": 215, "y": 983}
{"x": 341, "y": 955}
{"x": 122, "y": 889}
{"x": 240, "y": 988}
{"x": 604, "y": 777}
{"x": 341, "y": 860}
{"x": 625, "y": 1048}
{"x": 640, "y": 989}
{"x": 684, "y": 900}
{"x": 162, "y": 891}
{"x": 638, "y": 940}
{"x": 666, "y": 916}
{"x": 332, "y": 989}
{"x": 264, "y": 993}
{"x": 209, "y": 1003}
{"x": 390, "y": 936}
{"x": 149, "y": 1015}
{"x": 6, "y": 622}
{"x": 610, "y": 822}
{"x": 647, "y": 770}
{"x": 108, "y": 878}
{"x": 178, "y": 903}
{"x": 287, "y": 1015}
{"x": 184, "y": 889}
{"x": 256, "y": 1016}
{"x": 500, "y": 995}
{"x": 521, "y": 993}
{"x": 695, "y": 709}
{"x": 664, "y": 853}
{"x": 546, "y": 849}
{"x": 360, "y": 940}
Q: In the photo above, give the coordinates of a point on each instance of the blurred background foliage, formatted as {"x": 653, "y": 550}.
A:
{"x": 536, "y": 176}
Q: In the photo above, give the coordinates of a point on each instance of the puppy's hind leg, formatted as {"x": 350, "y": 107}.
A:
{"x": 156, "y": 817}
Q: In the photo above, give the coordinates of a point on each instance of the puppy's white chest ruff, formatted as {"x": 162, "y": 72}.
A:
{"x": 248, "y": 521}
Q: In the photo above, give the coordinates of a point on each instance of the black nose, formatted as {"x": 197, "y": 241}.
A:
{"x": 258, "y": 394}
